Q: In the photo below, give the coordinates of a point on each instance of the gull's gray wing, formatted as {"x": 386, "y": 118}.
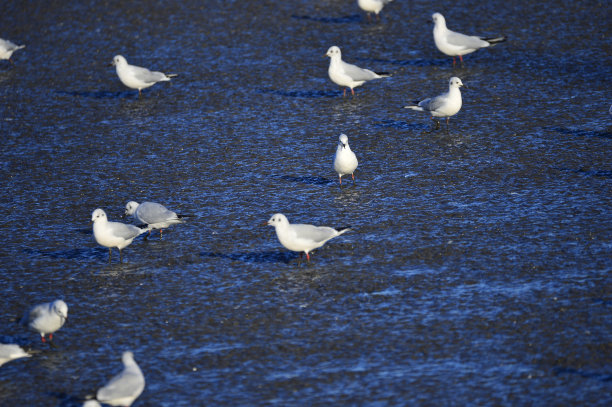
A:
{"x": 432, "y": 104}
{"x": 465, "y": 41}
{"x": 125, "y": 231}
{"x": 151, "y": 212}
{"x": 357, "y": 73}
{"x": 143, "y": 74}
{"x": 314, "y": 233}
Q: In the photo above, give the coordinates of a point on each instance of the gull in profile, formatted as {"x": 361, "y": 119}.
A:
{"x": 124, "y": 388}
{"x": 302, "y": 238}
{"x": 455, "y": 44}
{"x": 7, "y": 48}
{"x": 46, "y": 318}
{"x": 444, "y": 105}
{"x": 154, "y": 215}
{"x": 348, "y": 75}
{"x": 136, "y": 77}
{"x": 113, "y": 234}
{"x": 372, "y": 6}
{"x": 10, "y": 352}
{"x": 345, "y": 161}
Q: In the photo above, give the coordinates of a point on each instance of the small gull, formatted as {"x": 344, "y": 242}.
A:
{"x": 455, "y": 44}
{"x": 444, "y": 105}
{"x": 113, "y": 234}
{"x": 302, "y": 238}
{"x": 137, "y": 77}
{"x": 372, "y": 6}
{"x": 46, "y": 318}
{"x": 345, "y": 161}
{"x": 348, "y": 75}
{"x": 154, "y": 215}
{"x": 125, "y": 387}
{"x": 7, "y": 48}
{"x": 10, "y": 352}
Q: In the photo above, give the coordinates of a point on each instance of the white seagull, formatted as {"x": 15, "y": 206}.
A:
{"x": 455, "y": 44}
{"x": 7, "y": 48}
{"x": 444, "y": 105}
{"x": 46, "y": 318}
{"x": 372, "y": 6}
{"x": 345, "y": 161}
{"x": 113, "y": 234}
{"x": 348, "y": 75}
{"x": 10, "y": 352}
{"x": 154, "y": 215}
{"x": 302, "y": 238}
{"x": 137, "y": 77}
{"x": 124, "y": 388}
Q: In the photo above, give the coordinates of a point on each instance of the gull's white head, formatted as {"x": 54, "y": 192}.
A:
{"x": 130, "y": 208}
{"x": 344, "y": 140}
{"x": 278, "y": 219}
{"x": 438, "y": 20}
{"x": 127, "y": 358}
{"x": 119, "y": 60}
{"x": 333, "y": 52}
{"x": 98, "y": 215}
{"x": 60, "y": 308}
{"x": 455, "y": 82}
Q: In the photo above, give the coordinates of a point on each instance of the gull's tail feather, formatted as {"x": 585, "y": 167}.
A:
{"x": 19, "y": 47}
{"x": 495, "y": 40}
{"x": 171, "y": 75}
{"x": 414, "y": 106}
{"x": 342, "y": 230}
{"x": 383, "y": 74}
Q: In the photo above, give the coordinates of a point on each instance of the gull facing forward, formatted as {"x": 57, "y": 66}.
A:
{"x": 345, "y": 161}
{"x": 302, "y": 238}
{"x": 348, "y": 75}
{"x": 444, "y": 105}
{"x": 137, "y": 77}
{"x": 372, "y": 6}
{"x": 455, "y": 44}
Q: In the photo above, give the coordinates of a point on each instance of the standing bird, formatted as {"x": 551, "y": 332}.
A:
{"x": 372, "y": 6}
{"x": 113, "y": 234}
{"x": 124, "y": 388}
{"x": 444, "y": 105}
{"x": 7, "y": 48}
{"x": 302, "y": 238}
{"x": 10, "y": 352}
{"x": 136, "y": 77}
{"x": 455, "y": 44}
{"x": 154, "y": 215}
{"x": 46, "y": 318}
{"x": 348, "y": 75}
{"x": 345, "y": 161}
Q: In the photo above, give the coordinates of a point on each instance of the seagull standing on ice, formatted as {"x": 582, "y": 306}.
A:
{"x": 455, "y": 44}
{"x": 345, "y": 161}
{"x": 124, "y": 388}
{"x": 302, "y": 238}
{"x": 348, "y": 75}
{"x": 10, "y": 352}
{"x": 154, "y": 215}
{"x": 113, "y": 234}
{"x": 46, "y": 318}
{"x": 372, "y": 6}
{"x": 136, "y": 77}
{"x": 7, "y": 48}
{"x": 444, "y": 105}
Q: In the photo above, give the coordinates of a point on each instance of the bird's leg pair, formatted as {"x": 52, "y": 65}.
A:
{"x": 352, "y": 92}
{"x": 461, "y": 58}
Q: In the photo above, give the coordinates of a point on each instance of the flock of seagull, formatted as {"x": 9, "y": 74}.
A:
{"x": 47, "y": 318}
